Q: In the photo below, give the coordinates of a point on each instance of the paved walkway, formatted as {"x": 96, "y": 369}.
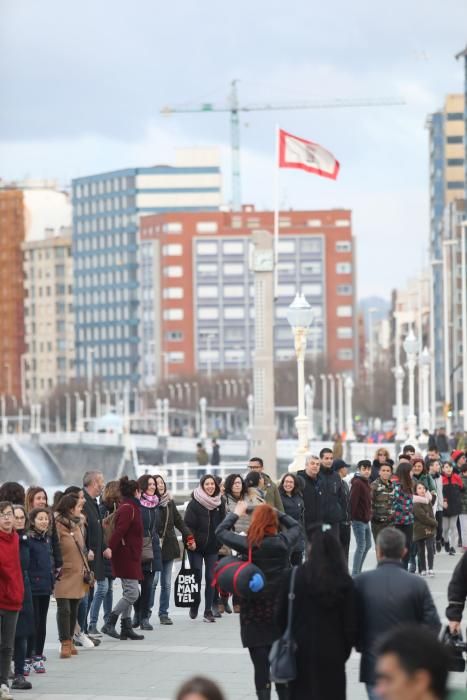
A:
{"x": 154, "y": 668}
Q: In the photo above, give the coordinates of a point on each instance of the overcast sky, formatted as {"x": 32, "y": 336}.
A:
{"x": 82, "y": 84}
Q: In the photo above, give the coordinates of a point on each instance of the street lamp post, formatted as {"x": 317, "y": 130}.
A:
{"x": 447, "y": 344}
{"x": 348, "y": 386}
{"x": 309, "y": 401}
{"x": 340, "y": 404}
{"x": 203, "y": 433}
{"x": 433, "y": 344}
{"x": 68, "y": 413}
{"x": 464, "y": 320}
{"x": 410, "y": 346}
{"x": 399, "y": 376}
{"x": 332, "y": 405}
{"x": 299, "y": 316}
{"x": 425, "y": 362}
{"x": 324, "y": 410}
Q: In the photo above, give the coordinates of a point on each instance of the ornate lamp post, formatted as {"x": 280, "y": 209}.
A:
{"x": 400, "y": 432}
{"x": 348, "y": 387}
{"x": 410, "y": 346}
{"x": 299, "y": 316}
{"x": 425, "y": 363}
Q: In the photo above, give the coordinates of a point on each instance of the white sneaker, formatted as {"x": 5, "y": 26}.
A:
{"x": 422, "y": 573}
{"x": 431, "y": 573}
{"x": 82, "y": 640}
{"x": 5, "y": 692}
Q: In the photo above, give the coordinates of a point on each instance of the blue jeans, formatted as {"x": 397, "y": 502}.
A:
{"x": 196, "y": 562}
{"x": 103, "y": 594}
{"x": 165, "y": 577}
{"x": 82, "y": 617}
{"x": 362, "y": 534}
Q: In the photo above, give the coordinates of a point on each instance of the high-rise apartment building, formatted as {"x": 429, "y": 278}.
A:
{"x": 49, "y": 320}
{"x": 27, "y": 209}
{"x": 447, "y": 184}
{"x": 106, "y": 212}
{"x": 197, "y": 289}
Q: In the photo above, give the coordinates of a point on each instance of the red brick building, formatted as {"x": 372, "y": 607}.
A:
{"x": 12, "y": 233}
{"x": 197, "y": 309}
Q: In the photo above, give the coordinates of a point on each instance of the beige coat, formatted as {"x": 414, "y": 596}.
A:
{"x": 71, "y": 584}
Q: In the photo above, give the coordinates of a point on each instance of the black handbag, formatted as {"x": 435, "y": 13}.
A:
{"x": 283, "y": 665}
{"x": 187, "y": 587}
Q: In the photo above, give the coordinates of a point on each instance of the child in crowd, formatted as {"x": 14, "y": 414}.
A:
{"x": 452, "y": 506}
{"x": 424, "y": 529}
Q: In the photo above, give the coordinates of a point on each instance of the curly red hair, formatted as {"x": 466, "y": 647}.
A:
{"x": 264, "y": 522}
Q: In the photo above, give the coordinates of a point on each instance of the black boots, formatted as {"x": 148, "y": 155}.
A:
{"x": 109, "y": 627}
{"x": 264, "y": 694}
{"x": 282, "y": 691}
{"x": 146, "y": 625}
{"x": 136, "y": 620}
{"x": 127, "y": 630}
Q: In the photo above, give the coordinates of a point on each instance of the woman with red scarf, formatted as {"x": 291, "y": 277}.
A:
{"x": 270, "y": 551}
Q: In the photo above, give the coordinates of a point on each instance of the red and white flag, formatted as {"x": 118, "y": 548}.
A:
{"x": 295, "y": 152}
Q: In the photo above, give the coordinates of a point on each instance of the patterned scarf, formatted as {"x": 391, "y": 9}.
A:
{"x": 164, "y": 499}
{"x": 209, "y": 502}
{"x": 149, "y": 501}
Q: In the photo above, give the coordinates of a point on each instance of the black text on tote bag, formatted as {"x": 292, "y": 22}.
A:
{"x": 187, "y": 586}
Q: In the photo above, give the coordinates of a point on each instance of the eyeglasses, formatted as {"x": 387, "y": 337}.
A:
{"x": 4, "y": 516}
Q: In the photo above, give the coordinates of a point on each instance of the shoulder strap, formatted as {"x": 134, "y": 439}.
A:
{"x": 166, "y": 522}
{"x": 85, "y": 561}
{"x": 291, "y": 597}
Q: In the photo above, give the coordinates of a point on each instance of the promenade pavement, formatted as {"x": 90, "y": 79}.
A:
{"x": 154, "y": 668}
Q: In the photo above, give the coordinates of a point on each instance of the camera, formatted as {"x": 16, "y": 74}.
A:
{"x": 457, "y": 648}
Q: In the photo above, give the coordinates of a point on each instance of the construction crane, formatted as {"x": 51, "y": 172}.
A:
{"x": 235, "y": 108}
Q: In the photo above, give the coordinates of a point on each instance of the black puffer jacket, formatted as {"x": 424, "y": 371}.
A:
{"x": 333, "y": 506}
{"x": 151, "y": 522}
{"x": 457, "y": 590}
{"x": 312, "y": 498}
{"x": 203, "y": 523}
{"x": 170, "y": 519}
{"x": 94, "y": 535}
{"x": 295, "y": 507}
{"x": 25, "y": 624}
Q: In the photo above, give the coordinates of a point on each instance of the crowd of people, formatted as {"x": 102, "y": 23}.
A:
{"x": 92, "y": 534}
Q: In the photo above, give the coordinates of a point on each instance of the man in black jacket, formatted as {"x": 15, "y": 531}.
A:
{"x": 341, "y": 468}
{"x": 386, "y": 597}
{"x": 333, "y": 505}
{"x": 93, "y": 485}
{"x": 311, "y": 491}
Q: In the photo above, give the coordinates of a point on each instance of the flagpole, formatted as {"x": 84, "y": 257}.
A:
{"x": 276, "y": 216}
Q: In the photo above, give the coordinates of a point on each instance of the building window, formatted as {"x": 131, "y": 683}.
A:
{"x": 310, "y": 245}
{"x": 235, "y": 334}
{"x": 209, "y": 356}
{"x": 207, "y": 292}
{"x": 454, "y": 162}
{"x": 312, "y": 290}
{"x": 172, "y": 249}
{"x": 455, "y": 185}
{"x": 232, "y": 291}
{"x": 232, "y": 247}
{"x": 173, "y": 271}
{"x": 344, "y": 332}
{"x": 172, "y": 293}
{"x": 455, "y": 116}
{"x": 343, "y": 246}
{"x": 174, "y": 336}
{"x": 342, "y": 222}
{"x": 313, "y": 223}
{"x": 233, "y": 269}
{"x": 344, "y": 311}
{"x": 206, "y": 269}
{"x": 234, "y": 312}
{"x": 286, "y": 268}
{"x": 343, "y": 268}
{"x": 173, "y": 315}
{"x": 208, "y": 313}
{"x": 286, "y": 247}
{"x": 176, "y": 358}
{"x": 345, "y": 354}
{"x": 454, "y": 139}
{"x": 287, "y": 290}
{"x": 172, "y": 227}
{"x": 310, "y": 268}
{"x": 344, "y": 290}
{"x": 206, "y": 248}
{"x": 206, "y": 227}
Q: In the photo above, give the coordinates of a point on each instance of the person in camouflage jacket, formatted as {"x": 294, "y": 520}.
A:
{"x": 382, "y": 500}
